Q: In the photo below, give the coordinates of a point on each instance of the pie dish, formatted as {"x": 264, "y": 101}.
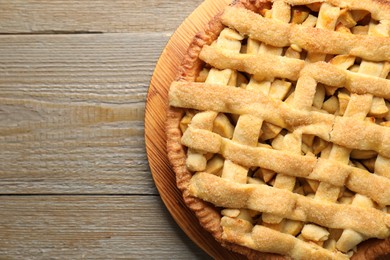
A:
{"x": 278, "y": 128}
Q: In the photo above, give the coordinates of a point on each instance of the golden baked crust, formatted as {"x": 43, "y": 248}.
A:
{"x": 185, "y": 94}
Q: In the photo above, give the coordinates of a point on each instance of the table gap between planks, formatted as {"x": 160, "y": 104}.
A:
{"x": 74, "y": 177}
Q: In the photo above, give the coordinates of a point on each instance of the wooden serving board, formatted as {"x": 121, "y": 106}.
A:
{"x": 155, "y": 116}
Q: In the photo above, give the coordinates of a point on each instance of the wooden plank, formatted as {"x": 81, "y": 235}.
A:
{"x": 93, "y": 227}
{"x": 69, "y": 16}
{"x": 72, "y": 110}
{"x": 68, "y": 62}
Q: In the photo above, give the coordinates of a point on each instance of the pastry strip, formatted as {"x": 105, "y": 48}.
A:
{"x": 293, "y": 165}
{"x": 377, "y": 10}
{"x": 263, "y": 198}
{"x": 266, "y": 66}
{"x": 281, "y": 11}
{"x": 305, "y": 91}
{"x": 365, "y": 135}
{"x": 310, "y": 39}
{"x": 358, "y": 110}
{"x": 267, "y": 240}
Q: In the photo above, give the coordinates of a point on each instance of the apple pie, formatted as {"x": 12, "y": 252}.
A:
{"x": 278, "y": 128}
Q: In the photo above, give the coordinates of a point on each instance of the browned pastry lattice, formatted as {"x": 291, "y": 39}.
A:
{"x": 286, "y": 127}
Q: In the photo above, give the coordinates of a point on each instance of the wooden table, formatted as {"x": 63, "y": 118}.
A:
{"x": 74, "y": 177}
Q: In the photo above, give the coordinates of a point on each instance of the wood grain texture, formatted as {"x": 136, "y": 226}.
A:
{"x": 69, "y": 16}
{"x": 74, "y": 177}
{"x": 72, "y": 111}
{"x": 155, "y": 117}
{"x": 99, "y": 227}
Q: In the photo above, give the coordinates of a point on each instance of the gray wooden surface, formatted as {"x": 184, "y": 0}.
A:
{"x": 74, "y": 178}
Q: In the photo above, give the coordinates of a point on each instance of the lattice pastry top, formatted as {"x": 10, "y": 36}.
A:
{"x": 279, "y": 127}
